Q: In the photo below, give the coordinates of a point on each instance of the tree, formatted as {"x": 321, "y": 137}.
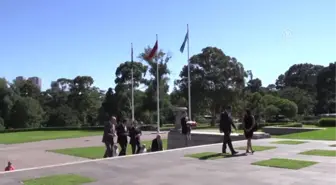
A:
{"x": 286, "y": 107}
{"x": 326, "y": 90}
{"x": 216, "y": 79}
{"x": 302, "y": 98}
{"x": 26, "y": 113}
{"x": 254, "y": 85}
{"x": 271, "y": 111}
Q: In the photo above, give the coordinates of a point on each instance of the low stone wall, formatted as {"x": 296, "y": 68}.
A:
{"x": 287, "y": 130}
{"x": 177, "y": 140}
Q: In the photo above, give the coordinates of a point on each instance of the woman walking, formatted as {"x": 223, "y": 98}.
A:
{"x": 248, "y": 125}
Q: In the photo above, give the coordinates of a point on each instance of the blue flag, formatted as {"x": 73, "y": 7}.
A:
{"x": 184, "y": 42}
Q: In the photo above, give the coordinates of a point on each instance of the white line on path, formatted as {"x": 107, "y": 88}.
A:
{"x": 112, "y": 158}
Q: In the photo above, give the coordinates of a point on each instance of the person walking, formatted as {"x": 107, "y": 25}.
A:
{"x": 122, "y": 134}
{"x": 134, "y": 134}
{"x": 248, "y": 126}
{"x": 108, "y": 136}
{"x": 186, "y": 128}
{"x": 225, "y": 127}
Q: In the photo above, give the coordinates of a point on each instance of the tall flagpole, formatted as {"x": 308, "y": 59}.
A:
{"x": 189, "y": 90}
{"x": 157, "y": 93}
{"x": 132, "y": 82}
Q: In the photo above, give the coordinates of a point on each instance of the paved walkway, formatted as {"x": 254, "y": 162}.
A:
{"x": 171, "y": 167}
{"x": 33, "y": 154}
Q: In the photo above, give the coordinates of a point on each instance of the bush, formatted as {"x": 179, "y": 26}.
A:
{"x": 292, "y": 125}
{"x": 2, "y": 124}
{"x": 327, "y": 122}
{"x": 95, "y": 128}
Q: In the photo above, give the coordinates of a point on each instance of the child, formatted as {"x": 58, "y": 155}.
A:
{"x": 9, "y": 167}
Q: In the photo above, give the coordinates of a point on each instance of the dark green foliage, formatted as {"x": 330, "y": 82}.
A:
{"x": 327, "y": 122}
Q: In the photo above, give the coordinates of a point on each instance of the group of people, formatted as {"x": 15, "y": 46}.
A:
{"x": 226, "y": 122}
{"x": 120, "y": 132}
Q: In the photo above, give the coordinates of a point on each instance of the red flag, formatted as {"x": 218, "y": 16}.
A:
{"x": 153, "y": 52}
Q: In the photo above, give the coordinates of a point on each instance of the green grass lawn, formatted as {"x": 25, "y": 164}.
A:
{"x": 257, "y": 148}
{"x": 328, "y": 153}
{"x": 327, "y": 134}
{"x": 68, "y": 179}
{"x": 97, "y": 152}
{"x": 208, "y": 155}
{"x": 288, "y": 142}
{"x": 285, "y": 163}
{"x": 24, "y": 137}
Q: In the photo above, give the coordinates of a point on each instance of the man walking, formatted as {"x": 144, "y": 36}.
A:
{"x": 108, "y": 136}
{"x": 122, "y": 133}
{"x": 134, "y": 134}
{"x": 225, "y": 126}
{"x": 186, "y": 128}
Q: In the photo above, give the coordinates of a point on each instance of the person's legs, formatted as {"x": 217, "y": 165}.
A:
{"x": 133, "y": 145}
{"x": 138, "y": 147}
{"x": 123, "y": 146}
{"x": 229, "y": 142}
{"x": 224, "y": 144}
{"x": 108, "y": 151}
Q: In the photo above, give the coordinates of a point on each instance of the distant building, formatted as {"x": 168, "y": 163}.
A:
{"x": 36, "y": 80}
{"x": 19, "y": 78}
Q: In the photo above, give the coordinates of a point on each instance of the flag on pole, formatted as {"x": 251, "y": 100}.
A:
{"x": 153, "y": 51}
{"x": 184, "y": 42}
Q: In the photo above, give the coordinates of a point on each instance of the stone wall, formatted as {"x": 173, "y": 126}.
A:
{"x": 287, "y": 130}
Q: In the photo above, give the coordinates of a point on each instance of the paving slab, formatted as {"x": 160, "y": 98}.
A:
{"x": 171, "y": 167}
{"x": 32, "y": 154}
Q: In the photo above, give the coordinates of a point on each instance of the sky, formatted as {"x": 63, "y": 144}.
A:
{"x": 55, "y": 39}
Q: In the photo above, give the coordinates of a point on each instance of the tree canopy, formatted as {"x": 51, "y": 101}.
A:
{"x": 217, "y": 80}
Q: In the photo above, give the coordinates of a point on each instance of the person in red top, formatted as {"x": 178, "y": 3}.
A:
{"x": 9, "y": 167}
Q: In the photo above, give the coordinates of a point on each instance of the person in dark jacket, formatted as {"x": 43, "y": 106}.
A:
{"x": 225, "y": 127}
{"x": 186, "y": 128}
{"x": 122, "y": 133}
{"x": 156, "y": 144}
{"x": 248, "y": 125}
{"x": 134, "y": 133}
{"x": 108, "y": 136}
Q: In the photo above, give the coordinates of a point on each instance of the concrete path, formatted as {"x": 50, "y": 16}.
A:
{"x": 171, "y": 167}
{"x": 26, "y": 155}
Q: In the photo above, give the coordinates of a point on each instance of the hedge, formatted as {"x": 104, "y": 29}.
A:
{"x": 327, "y": 122}
{"x": 53, "y": 129}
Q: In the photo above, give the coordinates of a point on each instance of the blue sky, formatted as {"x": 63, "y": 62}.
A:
{"x": 66, "y": 38}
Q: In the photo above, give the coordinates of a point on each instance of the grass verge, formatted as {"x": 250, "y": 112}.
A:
{"x": 328, "y": 153}
{"x": 326, "y": 134}
{"x": 285, "y": 163}
{"x": 24, "y": 137}
{"x": 289, "y": 142}
{"x": 257, "y": 148}
{"x": 68, "y": 179}
{"x": 97, "y": 152}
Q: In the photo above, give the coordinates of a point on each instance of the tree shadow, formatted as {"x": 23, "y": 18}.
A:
{"x": 220, "y": 155}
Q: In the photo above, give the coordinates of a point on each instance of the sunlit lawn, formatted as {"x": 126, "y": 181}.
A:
{"x": 326, "y": 134}
{"x": 68, "y": 179}
{"x": 30, "y": 136}
{"x": 327, "y": 153}
{"x": 289, "y": 142}
{"x": 285, "y": 163}
{"x": 97, "y": 152}
{"x": 257, "y": 148}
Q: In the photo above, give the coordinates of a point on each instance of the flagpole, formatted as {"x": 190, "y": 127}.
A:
{"x": 189, "y": 90}
{"x": 132, "y": 78}
{"x": 157, "y": 93}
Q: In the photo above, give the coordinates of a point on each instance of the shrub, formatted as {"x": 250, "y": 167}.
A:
{"x": 292, "y": 125}
{"x": 2, "y": 124}
{"x": 327, "y": 122}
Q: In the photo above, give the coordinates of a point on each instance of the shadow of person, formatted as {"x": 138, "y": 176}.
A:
{"x": 220, "y": 155}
